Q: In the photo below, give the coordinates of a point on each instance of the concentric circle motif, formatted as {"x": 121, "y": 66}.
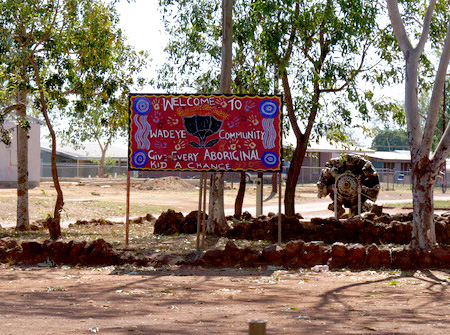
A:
{"x": 270, "y": 159}
{"x": 139, "y": 158}
{"x": 142, "y": 105}
{"x": 347, "y": 185}
{"x": 268, "y": 108}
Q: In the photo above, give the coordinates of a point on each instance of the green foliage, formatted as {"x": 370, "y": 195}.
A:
{"x": 324, "y": 46}
{"x": 107, "y": 66}
{"x": 86, "y": 66}
{"x": 67, "y": 55}
{"x": 5, "y": 134}
{"x": 195, "y": 31}
{"x": 390, "y": 140}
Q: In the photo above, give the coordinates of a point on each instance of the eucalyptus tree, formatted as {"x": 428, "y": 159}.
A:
{"x": 418, "y": 26}
{"x": 390, "y": 140}
{"x": 323, "y": 52}
{"x": 194, "y": 53}
{"x": 54, "y": 51}
{"x": 319, "y": 52}
{"x": 18, "y": 44}
{"x": 102, "y": 79}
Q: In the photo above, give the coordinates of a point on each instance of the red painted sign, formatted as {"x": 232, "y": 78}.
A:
{"x": 205, "y": 132}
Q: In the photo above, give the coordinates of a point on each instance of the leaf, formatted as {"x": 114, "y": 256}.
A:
{"x": 194, "y": 144}
{"x": 212, "y": 142}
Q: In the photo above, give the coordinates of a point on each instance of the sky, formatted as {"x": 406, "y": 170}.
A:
{"x": 141, "y": 22}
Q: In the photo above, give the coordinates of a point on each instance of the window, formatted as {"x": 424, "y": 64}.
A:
{"x": 389, "y": 165}
{"x": 405, "y": 166}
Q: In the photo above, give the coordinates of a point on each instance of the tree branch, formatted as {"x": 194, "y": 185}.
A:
{"x": 11, "y": 108}
{"x": 287, "y": 56}
{"x": 426, "y": 26}
{"x": 352, "y": 76}
{"x": 289, "y": 106}
{"x": 48, "y": 30}
{"x": 398, "y": 27}
{"x": 435, "y": 101}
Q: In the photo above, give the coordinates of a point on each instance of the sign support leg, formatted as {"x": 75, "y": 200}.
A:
{"x": 127, "y": 215}
{"x": 200, "y": 193}
{"x": 258, "y": 196}
{"x": 204, "y": 210}
{"x": 279, "y": 208}
{"x": 335, "y": 203}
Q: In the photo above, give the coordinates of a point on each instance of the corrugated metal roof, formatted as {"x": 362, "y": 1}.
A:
{"x": 392, "y": 156}
{"x": 326, "y": 146}
{"x": 89, "y": 150}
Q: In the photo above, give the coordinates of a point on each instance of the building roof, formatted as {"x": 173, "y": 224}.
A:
{"x": 89, "y": 150}
{"x": 10, "y": 122}
{"x": 391, "y": 156}
{"x": 119, "y": 150}
{"x": 325, "y": 146}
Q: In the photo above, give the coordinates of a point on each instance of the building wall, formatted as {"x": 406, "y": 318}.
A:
{"x": 8, "y": 161}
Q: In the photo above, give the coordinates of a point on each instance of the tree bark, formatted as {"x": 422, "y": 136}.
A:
{"x": 101, "y": 165}
{"x": 240, "y": 197}
{"x": 53, "y": 223}
{"x": 275, "y": 182}
{"x": 423, "y": 180}
{"x": 217, "y": 220}
{"x": 23, "y": 218}
{"x": 217, "y": 223}
{"x": 292, "y": 177}
{"x": 302, "y": 142}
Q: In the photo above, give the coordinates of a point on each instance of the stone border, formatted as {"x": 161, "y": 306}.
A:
{"x": 296, "y": 254}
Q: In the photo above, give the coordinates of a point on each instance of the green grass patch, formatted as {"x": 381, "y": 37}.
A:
{"x": 393, "y": 282}
{"x": 118, "y": 208}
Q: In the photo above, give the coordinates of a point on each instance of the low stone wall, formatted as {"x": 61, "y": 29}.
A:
{"x": 361, "y": 245}
{"x": 300, "y": 254}
{"x": 296, "y": 254}
{"x": 366, "y": 229}
{"x": 360, "y": 229}
{"x": 171, "y": 223}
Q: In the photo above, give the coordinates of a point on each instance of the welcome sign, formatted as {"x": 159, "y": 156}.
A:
{"x": 205, "y": 132}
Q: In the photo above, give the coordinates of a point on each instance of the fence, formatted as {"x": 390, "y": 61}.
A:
{"x": 74, "y": 170}
{"x": 389, "y": 178}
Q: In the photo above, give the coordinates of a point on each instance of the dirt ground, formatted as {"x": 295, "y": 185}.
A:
{"x": 197, "y": 301}
{"x": 177, "y": 300}
{"x": 94, "y": 199}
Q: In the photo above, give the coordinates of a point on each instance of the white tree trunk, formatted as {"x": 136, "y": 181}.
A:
{"x": 423, "y": 179}
{"x": 424, "y": 169}
{"x": 217, "y": 223}
{"x": 23, "y": 220}
{"x": 216, "y": 220}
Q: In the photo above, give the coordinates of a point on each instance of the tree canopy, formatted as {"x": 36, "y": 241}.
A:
{"x": 390, "y": 140}
{"x": 318, "y": 53}
{"x": 58, "y": 52}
